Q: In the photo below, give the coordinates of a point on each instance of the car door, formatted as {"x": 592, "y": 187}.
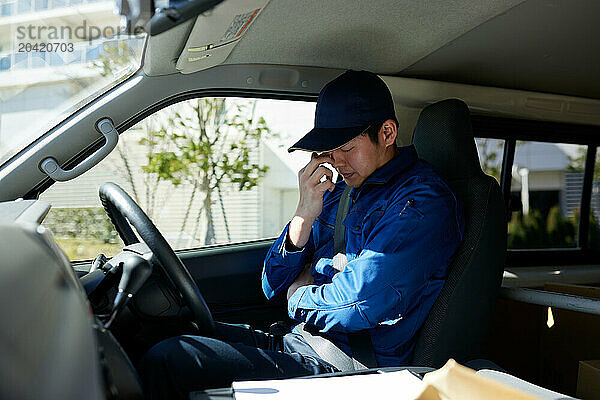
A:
{"x": 214, "y": 175}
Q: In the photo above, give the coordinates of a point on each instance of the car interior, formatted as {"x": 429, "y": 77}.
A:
{"x": 485, "y": 90}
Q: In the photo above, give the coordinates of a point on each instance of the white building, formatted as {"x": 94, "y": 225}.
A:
{"x": 37, "y": 88}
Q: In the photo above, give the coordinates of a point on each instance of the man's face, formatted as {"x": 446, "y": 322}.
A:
{"x": 358, "y": 159}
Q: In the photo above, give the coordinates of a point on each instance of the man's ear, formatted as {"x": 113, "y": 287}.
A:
{"x": 388, "y": 132}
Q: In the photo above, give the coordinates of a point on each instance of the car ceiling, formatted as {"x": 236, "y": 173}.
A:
{"x": 536, "y": 45}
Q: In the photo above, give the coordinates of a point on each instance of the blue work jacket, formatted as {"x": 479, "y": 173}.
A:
{"x": 403, "y": 226}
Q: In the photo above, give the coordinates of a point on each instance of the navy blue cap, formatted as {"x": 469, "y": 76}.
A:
{"x": 346, "y": 107}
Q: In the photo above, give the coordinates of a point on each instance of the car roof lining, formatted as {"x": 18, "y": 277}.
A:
{"x": 462, "y": 41}
{"x": 384, "y": 37}
{"x": 554, "y": 55}
{"x": 333, "y": 34}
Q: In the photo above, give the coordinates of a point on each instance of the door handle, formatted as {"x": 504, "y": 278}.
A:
{"x": 105, "y": 126}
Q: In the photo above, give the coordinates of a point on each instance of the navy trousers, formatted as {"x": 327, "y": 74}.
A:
{"x": 176, "y": 366}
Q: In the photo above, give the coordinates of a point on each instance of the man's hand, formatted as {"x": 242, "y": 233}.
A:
{"x": 310, "y": 205}
{"x": 305, "y": 278}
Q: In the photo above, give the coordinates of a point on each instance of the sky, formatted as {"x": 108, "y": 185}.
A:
{"x": 292, "y": 120}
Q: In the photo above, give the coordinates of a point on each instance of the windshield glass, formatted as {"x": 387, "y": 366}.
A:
{"x": 56, "y": 56}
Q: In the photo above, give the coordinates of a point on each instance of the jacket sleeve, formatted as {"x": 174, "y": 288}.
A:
{"x": 281, "y": 267}
{"x": 387, "y": 276}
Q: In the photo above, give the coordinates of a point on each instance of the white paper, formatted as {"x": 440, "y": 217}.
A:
{"x": 398, "y": 385}
{"x": 339, "y": 261}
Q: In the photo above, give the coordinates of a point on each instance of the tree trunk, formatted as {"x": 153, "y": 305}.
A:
{"x": 209, "y": 238}
{"x": 190, "y": 204}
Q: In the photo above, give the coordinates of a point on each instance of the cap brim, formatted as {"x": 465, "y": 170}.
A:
{"x": 323, "y": 140}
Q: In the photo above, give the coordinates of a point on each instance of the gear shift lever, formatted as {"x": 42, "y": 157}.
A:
{"x": 136, "y": 270}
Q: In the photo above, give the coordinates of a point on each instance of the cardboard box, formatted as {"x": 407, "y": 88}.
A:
{"x": 588, "y": 380}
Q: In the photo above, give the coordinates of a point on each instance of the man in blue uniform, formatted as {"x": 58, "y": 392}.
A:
{"x": 402, "y": 228}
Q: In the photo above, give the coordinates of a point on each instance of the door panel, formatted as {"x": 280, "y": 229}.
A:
{"x": 229, "y": 278}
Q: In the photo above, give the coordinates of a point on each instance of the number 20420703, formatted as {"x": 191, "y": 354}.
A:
{"x": 45, "y": 47}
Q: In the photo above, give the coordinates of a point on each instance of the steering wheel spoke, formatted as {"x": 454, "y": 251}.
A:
{"x": 124, "y": 212}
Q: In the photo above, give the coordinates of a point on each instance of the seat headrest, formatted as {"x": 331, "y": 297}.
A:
{"x": 443, "y": 137}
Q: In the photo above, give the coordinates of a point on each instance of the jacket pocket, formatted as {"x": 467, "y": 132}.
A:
{"x": 383, "y": 308}
{"x": 354, "y": 221}
{"x": 396, "y": 311}
{"x": 372, "y": 217}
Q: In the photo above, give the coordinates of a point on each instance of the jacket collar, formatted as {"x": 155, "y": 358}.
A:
{"x": 405, "y": 157}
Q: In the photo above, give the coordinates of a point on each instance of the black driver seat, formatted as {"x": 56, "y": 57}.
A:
{"x": 457, "y": 324}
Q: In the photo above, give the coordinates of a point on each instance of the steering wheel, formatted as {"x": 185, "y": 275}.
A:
{"x": 123, "y": 211}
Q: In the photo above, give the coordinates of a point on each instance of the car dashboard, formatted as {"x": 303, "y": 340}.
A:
{"x": 49, "y": 335}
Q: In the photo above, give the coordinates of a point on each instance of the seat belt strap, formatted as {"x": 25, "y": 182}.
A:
{"x": 327, "y": 350}
{"x": 363, "y": 355}
{"x": 339, "y": 234}
{"x": 361, "y": 346}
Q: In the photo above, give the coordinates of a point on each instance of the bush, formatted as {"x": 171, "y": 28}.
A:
{"x": 81, "y": 223}
{"x": 534, "y": 231}
{"x": 561, "y": 232}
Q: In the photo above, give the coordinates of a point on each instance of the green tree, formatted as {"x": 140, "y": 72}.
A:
{"x": 206, "y": 143}
{"x": 577, "y": 162}
{"x": 561, "y": 231}
{"x": 594, "y": 232}
{"x": 489, "y": 156}
{"x": 116, "y": 56}
{"x": 533, "y": 231}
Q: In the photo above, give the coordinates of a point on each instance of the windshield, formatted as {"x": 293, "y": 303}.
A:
{"x": 56, "y": 56}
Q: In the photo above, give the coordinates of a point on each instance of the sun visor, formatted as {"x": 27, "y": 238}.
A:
{"x": 217, "y": 32}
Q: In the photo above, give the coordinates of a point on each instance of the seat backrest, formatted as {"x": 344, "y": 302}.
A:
{"x": 47, "y": 339}
{"x": 457, "y": 324}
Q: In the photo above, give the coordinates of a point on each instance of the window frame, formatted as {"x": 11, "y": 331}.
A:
{"x": 511, "y": 130}
{"x": 157, "y": 107}
{"x": 34, "y": 193}
{"x": 508, "y": 129}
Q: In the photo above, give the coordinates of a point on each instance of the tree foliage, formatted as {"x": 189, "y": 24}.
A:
{"x": 116, "y": 55}
{"x": 533, "y": 231}
{"x": 490, "y": 156}
{"x": 577, "y": 162}
{"x": 206, "y": 143}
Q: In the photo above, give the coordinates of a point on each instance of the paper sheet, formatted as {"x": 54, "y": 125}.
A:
{"x": 399, "y": 385}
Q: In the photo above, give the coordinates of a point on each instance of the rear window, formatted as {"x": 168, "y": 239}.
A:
{"x": 549, "y": 174}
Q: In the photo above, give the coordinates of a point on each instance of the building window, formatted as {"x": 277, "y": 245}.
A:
{"x": 92, "y": 53}
{"x": 21, "y": 60}
{"x": 23, "y": 6}
{"x": 5, "y": 63}
{"x": 58, "y": 3}
{"x": 7, "y": 9}
{"x": 41, "y": 5}
{"x": 38, "y": 59}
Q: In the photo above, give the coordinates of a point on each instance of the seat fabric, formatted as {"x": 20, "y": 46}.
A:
{"x": 457, "y": 324}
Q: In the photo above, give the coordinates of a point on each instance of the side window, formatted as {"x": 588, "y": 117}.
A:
{"x": 206, "y": 171}
{"x": 594, "y": 234}
{"x": 490, "y": 155}
{"x": 547, "y": 182}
